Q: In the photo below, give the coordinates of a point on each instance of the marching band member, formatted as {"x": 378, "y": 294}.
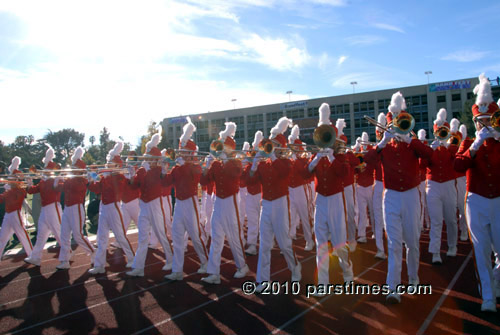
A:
{"x": 130, "y": 199}
{"x": 364, "y": 189}
{"x": 73, "y": 218}
{"x": 110, "y": 187}
{"x": 349, "y": 188}
{"x": 330, "y": 214}
{"x": 226, "y": 174}
{"x": 273, "y": 174}
{"x": 152, "y": 209}
{"x": 298, "y": 194}
{"x": 441, "y": 192}
{"x": 50, "y": 215}
{"x": 166, "y": 194}
{"x": 13, "y": 222}
{"x": 424, "y": 220}
{"x": 399, "y": 157}
{"x": 185, "y": 177}
{"x": 378, "y": 195}
{"x": 461, "y": 181}
{"x": 253, "y": 200}
{"x": 480, "y": 159}
{"x": 242, "y": 194}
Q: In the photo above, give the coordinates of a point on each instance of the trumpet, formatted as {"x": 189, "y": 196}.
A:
{"x": 368, "y": 143}
{"x": 494, "y": 122}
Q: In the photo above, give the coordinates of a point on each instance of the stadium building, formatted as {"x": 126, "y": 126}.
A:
{"x": 423, "y": 102}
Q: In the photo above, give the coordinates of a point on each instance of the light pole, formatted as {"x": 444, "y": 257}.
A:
{"x": 234, "y": 103}
{"x": 428, "y": 73}
{"x": 353, "y": 83}
{"x": 289, "y": 92}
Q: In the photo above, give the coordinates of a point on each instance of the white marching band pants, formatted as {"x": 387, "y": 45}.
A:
{"x": 225, "y": 223}
{"x": 461, "y": 190}
{"x": 352, "y": 212}
{"x": 13, "y": 224}
{"x": 49, "y": 221}
{"x": 402, "y": 225}
{"x": 130, "y": 212}
{"x": 253, "y": 211}
{"x": 208, "y": 210}
{"x": 483, "y": 219}
{"x": 330, "y": 222}
{"x": 378, "y": 214}
{"x": 111, "y": 218}
{"x": 274, "y": 221}
{"x": 187, "y": 220}
{"x": 364, "y": 198}
{"x": 299, "y": 202}
{"x": 442, "y": 204}
{"x": 242, "y": 194}
{"x": 152, "y": 217}
{"x": 72, "y": 222}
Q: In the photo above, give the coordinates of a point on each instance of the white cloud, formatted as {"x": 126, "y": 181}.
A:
{"x": 335, "y": 3}
{"x": 278, "y": 54}
{"x": 364, "y": 40}
{"x": 341, "y": 60}
{"x": 390, "y": 27}
{"x": 465, "y": 56}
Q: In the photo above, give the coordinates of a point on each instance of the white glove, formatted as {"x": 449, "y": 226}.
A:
{"x": 164, "y": 168}
{"x": 180, "y": 161}
{"x": 131, "y": 172}
{"x": 145, "y": 165}
{"x": 329, "y": 154}
{"x": 56, "y": 181}
{"x": 6, "y": 187}
{"x": 315, "y": 161}
{"x": 435, "y": 144}
{"x": 406, "y": 138}
{"x": 294, "y": 156}
{"x": 255, "y": 163}
{"x": 272, "y": 156}
{"x": 29, "y": 182}
{"x": 388, "y": 135}
{"x": 481, "y": 136}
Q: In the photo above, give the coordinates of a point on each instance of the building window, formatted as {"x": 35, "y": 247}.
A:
{"x": 313, "y": 112}
{"x": 441, "y": 98}
{"x": 470, "y": 95}
{"x": 273, "y": 116}
{"x": 423, "y": 99}
{"x": 456, "y": 97}
{"x": 255, "y": 118}
{"x": 295, "y": 114}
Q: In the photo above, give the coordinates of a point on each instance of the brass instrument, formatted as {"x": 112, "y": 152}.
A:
{"x": 442, "y": 133}
{"x": 454, "y": 139}
{"x": 495, "y": 120}
{"x": 403, "y": 123}
{"x": 266, "y": 147}
{"x": 324, "y": 136}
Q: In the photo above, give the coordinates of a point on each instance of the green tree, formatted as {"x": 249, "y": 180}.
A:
{"x": 466, "y": 117}
{"x": 92, "y": 140}
{"x": 105, "y": 144}
{"x": 64, "y": 143}
{"x": 152, "y": 129}
{"x": 30, "y": 152}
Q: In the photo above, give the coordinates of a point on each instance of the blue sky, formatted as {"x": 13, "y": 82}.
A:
{"x": 121, "y": 64}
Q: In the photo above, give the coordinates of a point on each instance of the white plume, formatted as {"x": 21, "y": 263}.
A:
{"x": 365, "y": 137}
{"x": 49, "y": 155}
{"x": 463, "y": 130}
{"x": 381, "y": 118}
{"x": 454, "y": 123}
{"x": 257, "y": 139}
{"x": 246, "y": 145}
{"x": 155, "y": 139}
{"x": 163, "y": 152}
{"x": 78, "y": 154}
{"x": 340, "y": 125}
{"x": 187, "y": 131}
{"x": 440, "y": 117}
{"x": 422, "y": 134}
{"x": 281, "y": 126}
{"x": 229, "y": 131}
{"x": 294, "y": 134}
{"x": 116, "y": 151}
{"x": 324, "y": 114}
{"x": 14, "y": 165}
{"x": 483, "y": 91}
{"x": 397, "y": 105}
{"x": 357, "y": 146}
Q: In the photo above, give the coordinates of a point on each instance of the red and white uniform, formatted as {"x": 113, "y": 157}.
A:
{"x": 441, "y": 194}
{"x": 274, "y": 215}
{"x": 242, "y": 194}
{"x": 461, "y": 182}
{"x": 350, "y": 198}
{"x": 152, "y": 214}
{"x": 110, "y": 187}
{"x": 73, "y": 217}
{"x": 481, "y": 206}
{"x": 185, "y": 178}
{"x": 130, "y": 204}
{"x": 378, "y": 213}
{"x": 299, "y": 200}
{"x": 401, "y": 177}
{"x": 253, "y": 200}
{"x": 50, "y": 215}
{"x": 207, "y": 206}
{"x": 364, "y": 187}
{"x": 225, "y": 218}
{"x": 425, "y": 219}
{"x": 13, "y": 222}
{"x": 330, "y": 216}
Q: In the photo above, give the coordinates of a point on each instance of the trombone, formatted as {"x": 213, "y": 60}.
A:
{"x": 401, "y": 125}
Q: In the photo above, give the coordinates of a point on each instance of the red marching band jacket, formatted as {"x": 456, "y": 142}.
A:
{"x": 74, "y": 190}
{"x": 273, "y": 176}
{"x": 185, "y": 178}
{"x": 110, "y": 188}
{"x": 400, "y": 163}
{"x": 252, "y": 188}
{"x": 149, "y": 182}
{"x": 296, "y": 173}
{"x": 365, "y": 177}
{"x": 130, "y": 192}
{"x": 329, "y": 176}
{"x": 353, "y": 161}
{"x": 226, "y": 177}
{"x": 13, "y": 199}
{"x": 440, "y": 165}
{"x": 48, "y": 194}
{"x": 482, "y": 171}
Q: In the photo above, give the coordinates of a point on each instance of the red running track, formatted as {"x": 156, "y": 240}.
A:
{"x": 43, "y": 300}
